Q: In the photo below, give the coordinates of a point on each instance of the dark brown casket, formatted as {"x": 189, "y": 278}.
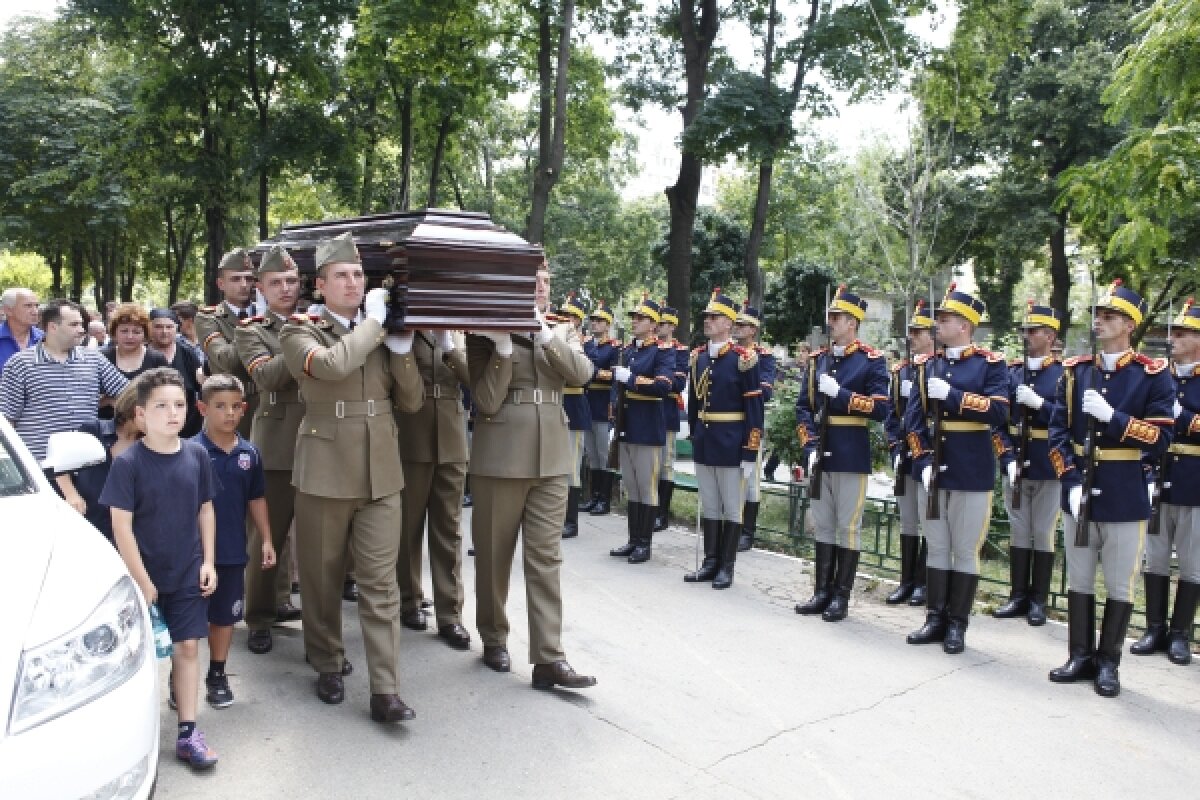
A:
{"x": 452, "y": 270}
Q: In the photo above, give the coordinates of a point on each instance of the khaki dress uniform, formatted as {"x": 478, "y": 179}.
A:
{"x": 348, "y": 479}
{"x": 519, "y": 467}
{"x": 433, "y": 447}
{"x": 216, "y": 330}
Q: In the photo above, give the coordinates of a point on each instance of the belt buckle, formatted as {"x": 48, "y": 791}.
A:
{"x": 339, "y": 409}
{"x": 370, "y": 408}
{"x": 537, "y": 396}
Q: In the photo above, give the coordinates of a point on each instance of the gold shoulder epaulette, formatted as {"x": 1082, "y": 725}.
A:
{"x": 1153, "y": 366}
{"x": 746, "y": 359}
{"x": 1077, "y": 360}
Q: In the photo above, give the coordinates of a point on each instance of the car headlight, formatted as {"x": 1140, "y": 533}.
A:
{"x": 100, "y": 654}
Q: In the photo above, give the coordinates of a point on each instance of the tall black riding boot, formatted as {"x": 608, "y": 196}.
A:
{"x": 1081, "y": 640}
{"x": 1179, "y": 644}
{"x": 847, "y": 565}
{"x": 712, "y": 552}
{"x": 729, "y": 549}
{"x": 604, "y": 498}
{"x": 571, "y": 523}
{"x": 749, "y": 526}
{"x": 644, "y": 530}
{"x": 822, "y": 581}
{"x": 594, "y": 491}
{"x": 662, "y": 516}
{"x": 1154, "y": 640}
{"x": 908, "y": 564}
{"x": 959, "y": 602}
{"x": 934, "y": 630}
{"x": 1112, "y": 641}
{"x": 1019, "y": 559}
{"x": 918, "y": 595}
{"x": 631, "y": 516}
{"x": 1039, "y": 587}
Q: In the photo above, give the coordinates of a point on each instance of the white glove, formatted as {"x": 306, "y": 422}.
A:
{"x": 621, "y": 374}
{"x": 938, "y": 389}
{"x": 748, "y": 470}
{"x": 1074, "y": 499}
{"x": 927, "y": 477}
{"x": 828, "y": 385}
{"x": 545, "y": 334}
{"x": 812, "y": 462}
{"x": 1177, "y": 410}
{"x": 905, "y": 388}
{"x": 1011, "y": 469}
{"x": 503, "y": 341}
{"x": 896, "y": 462}
{"x": 1150, "y": 492}
{"x": 375, "y": 306}
{"x": 1026, "y": 396}
{"x": 400, "y": 343}
{"x": 445, "y": 341}
{"x": 1095, "y": 404}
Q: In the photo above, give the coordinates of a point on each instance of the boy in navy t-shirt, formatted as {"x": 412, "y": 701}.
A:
{"x": 160, "y": 492}
{"x": 240, "y": 485}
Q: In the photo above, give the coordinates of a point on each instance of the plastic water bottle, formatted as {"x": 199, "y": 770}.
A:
{"x": 162, "y": 636}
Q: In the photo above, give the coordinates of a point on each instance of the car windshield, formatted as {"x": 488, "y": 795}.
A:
{"x": 13, "y": 479}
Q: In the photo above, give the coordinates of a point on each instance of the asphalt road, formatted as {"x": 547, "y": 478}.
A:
{"x": 704, "y": 694}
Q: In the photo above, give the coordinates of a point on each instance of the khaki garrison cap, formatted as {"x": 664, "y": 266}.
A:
{"x": 277, "y": 259}
{"x": 236, "y": 260}
{"x": 338, "y": 250}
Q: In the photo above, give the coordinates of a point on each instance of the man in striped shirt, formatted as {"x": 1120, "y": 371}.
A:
{"x": 57, "y": 384}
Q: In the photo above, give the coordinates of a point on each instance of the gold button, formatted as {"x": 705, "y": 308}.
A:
{"x": 314, "y": 430}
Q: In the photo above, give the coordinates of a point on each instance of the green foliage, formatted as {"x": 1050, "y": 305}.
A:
{"x": 781, "y": 424}
{"x": 795, "y": 301}
{"x": 718, "y": 243}
{"x": 27, "y": 270}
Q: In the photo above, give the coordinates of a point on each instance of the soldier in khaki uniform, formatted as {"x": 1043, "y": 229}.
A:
{"x": 273, "y": 432}
{"x": 216, "y": 326}
{"x": 433, "y": 447}
{"x": 347, "y": 471}
{"x": 519, "y": 466}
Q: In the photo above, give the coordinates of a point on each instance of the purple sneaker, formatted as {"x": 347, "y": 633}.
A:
{"x": 195, "y": 751}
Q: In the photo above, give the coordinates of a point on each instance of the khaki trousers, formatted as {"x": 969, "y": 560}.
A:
{"x": 575, "y": 443}
{"x": 639, "y": 472}
{"x": 1118, "y": 545}
{"x": 326, "y": 528}
{"x": 1032, "y": 525}
{"x": 534, "y": 507}
{"x": 954, "y": 540}
{"x": 432, "y": 496}
{"x": 666, "y": 464}
{"x": 837, "y": 515}
{"x": 267, "y": 589}
{"x": 1178, "y": 527}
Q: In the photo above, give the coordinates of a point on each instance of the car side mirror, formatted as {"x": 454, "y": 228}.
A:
{"x": 72, "y": 450}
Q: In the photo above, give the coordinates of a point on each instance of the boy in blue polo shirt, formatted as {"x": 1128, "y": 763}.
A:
{"x": 238, "y": 470}
{"x": 160, "y": 493}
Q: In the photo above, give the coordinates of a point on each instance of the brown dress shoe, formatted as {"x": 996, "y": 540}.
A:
{"x": 330, "y": 688}
{"x": 497, "y": 658}
{"x": 260, "y": 641}
{"x": 287, "y": 613}
{"x": 456, "y": 636}
{"x": 390, "y": 708}
{"x": 547, "y": 676}
{"x": 414, "y": 619}
{"x": 347, "y": 667}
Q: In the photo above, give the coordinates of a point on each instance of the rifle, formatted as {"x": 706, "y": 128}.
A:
{"x": 899, "y": 484}
{"x": 814, "y": 483}
{"x": 1088, "y": 479}
{"x": 934, "y": 408}
{"x": 614, "y": 443}
{"x": 1022, "y": 446}
{"x": 1160, "y": 481}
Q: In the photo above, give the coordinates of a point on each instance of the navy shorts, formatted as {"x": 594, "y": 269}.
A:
{"x": 227, "y": 603}
{"x": 185, "y": 612}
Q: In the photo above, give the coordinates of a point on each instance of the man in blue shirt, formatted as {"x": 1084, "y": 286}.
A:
{"x": 19, "y": 329}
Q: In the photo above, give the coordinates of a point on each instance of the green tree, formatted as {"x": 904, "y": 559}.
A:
{"x": 795, "y": 300}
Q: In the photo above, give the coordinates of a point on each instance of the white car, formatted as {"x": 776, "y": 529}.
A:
{"x": 78, "y": 674}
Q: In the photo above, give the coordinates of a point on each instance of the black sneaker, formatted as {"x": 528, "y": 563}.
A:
{"x": 219, "y": 693}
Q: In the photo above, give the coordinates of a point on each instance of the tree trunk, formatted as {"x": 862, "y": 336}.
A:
{"x": 758, "y": 226}
{"x": 435, "y": 167}
{"x": 1060, "y": 274}
{"x": 552, "y": 113}
{"x": 214, "y": 227}
{"x": 406, "y": 148}
{"x": 368, "y": 179}
{"x": 75, "y": 265}
{"x": 56, "y": 273}
{"x": 263, "y": 197}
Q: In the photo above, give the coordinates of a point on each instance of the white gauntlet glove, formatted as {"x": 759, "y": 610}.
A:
{"x": 1011, "y": 469}
{"x": 621, "y": 374}
{"x": 812, "y": 462}
{"x": 1027, "y": 397}
{"x": 1074, "y": 500}
{"x": 376, "y": 305}
{"x": 927, "y": 477}
{"x": 828, "y": 385}
{"x": 1177, "y": 410}
{"x": 938, "y": 389}
{"x": 1095, "y": 404}
{"x": 544, "y": 333}
{"x": 400, "y": 343}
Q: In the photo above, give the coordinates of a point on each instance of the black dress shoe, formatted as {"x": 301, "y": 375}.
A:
{"x": 390, "y": 708}
{"x": 547, "y": 676}
{"x": 330, "y": 688}
{"x": 497, "y": 658}
{"x": 287, "y": 613}
{"x": 456, "y": 636}
{"x": 414, "y": 620}
{"x": 350, "y": 592}
{"x": 260, "y": 641}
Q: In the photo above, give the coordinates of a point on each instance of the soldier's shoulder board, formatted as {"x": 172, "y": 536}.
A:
{"x": 872, "y": 352}
{"x": 681, "y": 346}
{"x": 1075, "y": 361}
{"x": 993, "y": 357}
{"x": 250, "y": 320}
{"x": 206, "y": 310}
{"x": 746, "y": 358}
{"x": 1153, "y": 366}
{"x": 899, "y": 365}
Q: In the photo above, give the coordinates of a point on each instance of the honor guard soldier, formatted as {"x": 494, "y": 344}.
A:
{"x": 433, "y": 450}
{"x": 957, "y": 399}
{"x": 604, "y": 352}
{"x": 1024, "y": 449}
{"x": 579, "y": 418}
{"x": 913, "y": 549}
{"x": 1178, "y": 507}
{"x": 273, "y": 432}
{"x": 519, "y": 467}
{"x": 347, "y": 471}
{"x": 745, "y": 335}
{"x": 216, "y": 326}
{"x": 643, "y": 379}
{"x": 1126, "y": 399}
{"x": 671, "y": 408}
{"x": 847, "y": 386}
{"x": 725, "y": 424}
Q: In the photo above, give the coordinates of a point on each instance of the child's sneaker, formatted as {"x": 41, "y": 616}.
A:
{"x": 219, "y": 693}
{"x": 195, "y": 751}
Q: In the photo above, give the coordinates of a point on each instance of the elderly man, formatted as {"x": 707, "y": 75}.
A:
{"x": 19, "y": 329}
